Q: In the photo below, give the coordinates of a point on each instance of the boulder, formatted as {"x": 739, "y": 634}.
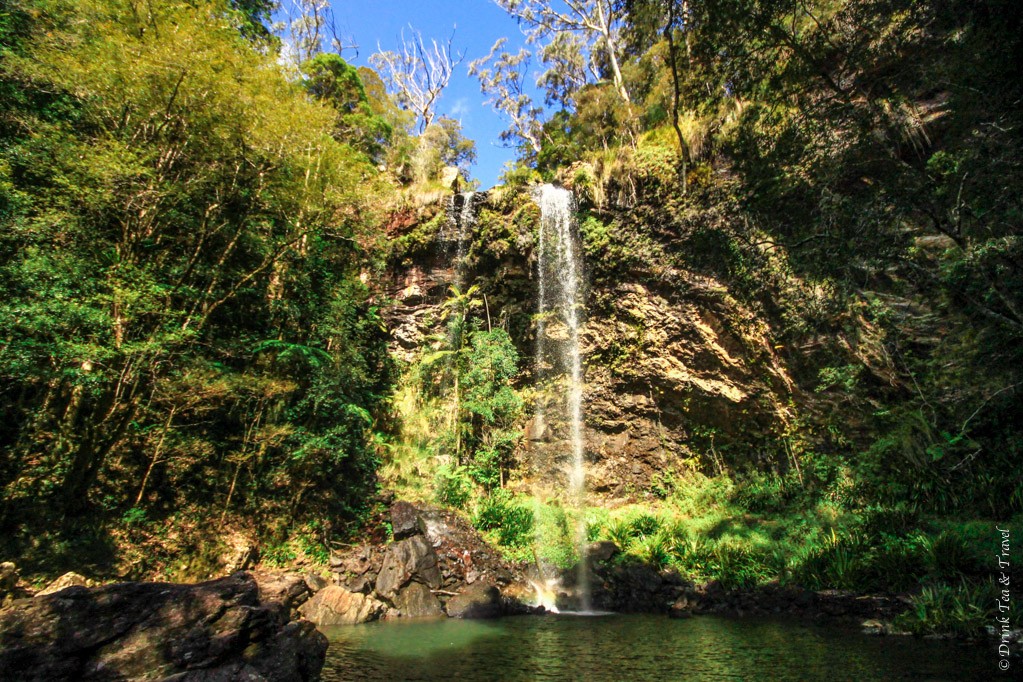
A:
{"x": 412, "y": 558}
{"x": 65, "y": 581}
{"x": 477, "y": 601}
{"x": 405, "y": 521}
{"x": 334, "y": 605}
{"x": 415, "y": 600}
{"x": 287, "y": 589}
{"x": 602, "y": 552}
{"x": 363, "y": 583}
{"x": 218, "y": 630}
{"x": 8, "y": 577}
{"x": 314, "y": 582}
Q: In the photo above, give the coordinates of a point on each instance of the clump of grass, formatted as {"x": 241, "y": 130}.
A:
{"x": 961, "y": 609}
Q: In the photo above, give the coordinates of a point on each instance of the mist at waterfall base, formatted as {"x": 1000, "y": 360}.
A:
{"x": 639, "y": 648}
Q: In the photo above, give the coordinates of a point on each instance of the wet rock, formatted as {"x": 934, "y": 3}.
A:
{"x": 70, "y": 579}
{"x": 415, "y": 600}
{"x": 477, "y": 601}
{"x": 875, "y": 627}
{"x": 334, "y": 605}
{"x": 405, "y": 560}
{"x": 405, "y": 521}
{"x": 680, "y": 609}
{"x": 504, "y": 576}
{"x": 218, "y": 630}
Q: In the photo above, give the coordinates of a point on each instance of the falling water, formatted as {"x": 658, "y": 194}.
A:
{"x": 461, "y": 220}
{"x": 560, "y": 268}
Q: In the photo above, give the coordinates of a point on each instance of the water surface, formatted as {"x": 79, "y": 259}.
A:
{"x": 627, "y": 648}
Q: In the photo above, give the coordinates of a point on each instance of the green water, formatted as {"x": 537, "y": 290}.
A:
{"x": 627, "y": 648}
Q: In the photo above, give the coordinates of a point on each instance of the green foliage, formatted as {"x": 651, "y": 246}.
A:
{"x": 554, "y": 543}
{"x": 134, "y": 516}
{"x": 452, "y": 486}
{"x": 183, "y": 233}
{"x": 512, "y": 519}
{"x": 278, "y": 555}
{"x": 332, "y": 80}
{"x": 957, "y": 609}
{"x": 767, "y": 493}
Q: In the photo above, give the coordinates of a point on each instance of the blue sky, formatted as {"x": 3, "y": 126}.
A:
{"x": 477, "y": 24}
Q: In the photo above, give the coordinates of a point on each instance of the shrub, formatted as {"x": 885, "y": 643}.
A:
{"x": 766, "y": 493}
{"x": 513, "y": 521}
{"x": 878, "y": 520}
{"x": 741, "y": 566}
{"x": 950, "y": 557}
{"x": 452, "y": 486}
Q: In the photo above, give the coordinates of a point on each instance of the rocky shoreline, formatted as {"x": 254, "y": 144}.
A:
{"x": 241, "y": 627}
{"x": 257, "y": 625}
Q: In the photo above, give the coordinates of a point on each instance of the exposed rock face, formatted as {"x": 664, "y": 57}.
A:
{"x": 405, "y": 560}
{"x": 682, "y": 368}
{"x": 218, "y": 630}
{"x": 287, "y": 589}
{"x": 444, "y": 566}
{"x": 416, "y": 294}
{"x": 335, "y": 605}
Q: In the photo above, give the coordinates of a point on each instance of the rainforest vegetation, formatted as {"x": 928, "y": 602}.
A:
{"x": 197, "y": 211}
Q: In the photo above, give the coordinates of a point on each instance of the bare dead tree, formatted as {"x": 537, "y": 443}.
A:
{"x": 417, "y": 74}
{"x": 309, "y": 23}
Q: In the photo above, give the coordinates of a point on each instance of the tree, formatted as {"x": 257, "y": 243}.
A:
{"x": 578, "y": 39}
{"x": 417, "y": 74}
{"x": 179, "y": 274}
{"x": 502, "y": 78}
{"x": 332, "y": 80}
{"x": 309, "y": 24}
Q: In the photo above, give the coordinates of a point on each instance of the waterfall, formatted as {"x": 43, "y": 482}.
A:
{"x": 559, "y": 267}
{"x": 458, "y": 229}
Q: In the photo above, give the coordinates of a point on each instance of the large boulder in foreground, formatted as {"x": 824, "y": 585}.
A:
{"x": 218, "y": 630}
{"x": 335, "y": 605}
{"x": 412, "y": 558}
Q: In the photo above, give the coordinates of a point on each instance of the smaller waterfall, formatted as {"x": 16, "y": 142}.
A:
{"x": 560, "y": 306}
{"x": 457, "y": 231}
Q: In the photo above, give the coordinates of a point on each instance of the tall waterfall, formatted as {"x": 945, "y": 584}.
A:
{"x": 560, "y": 311}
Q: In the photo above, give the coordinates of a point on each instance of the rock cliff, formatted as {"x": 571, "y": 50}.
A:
{"x": 676, "y": 368}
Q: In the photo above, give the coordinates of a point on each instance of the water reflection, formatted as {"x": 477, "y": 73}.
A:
{"x": 640, "y": 647}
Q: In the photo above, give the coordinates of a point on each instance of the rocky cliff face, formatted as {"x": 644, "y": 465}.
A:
{"x": 675, "y": 367}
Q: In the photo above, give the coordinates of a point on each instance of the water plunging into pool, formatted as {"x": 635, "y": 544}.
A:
{"x": 560, "y": 311}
